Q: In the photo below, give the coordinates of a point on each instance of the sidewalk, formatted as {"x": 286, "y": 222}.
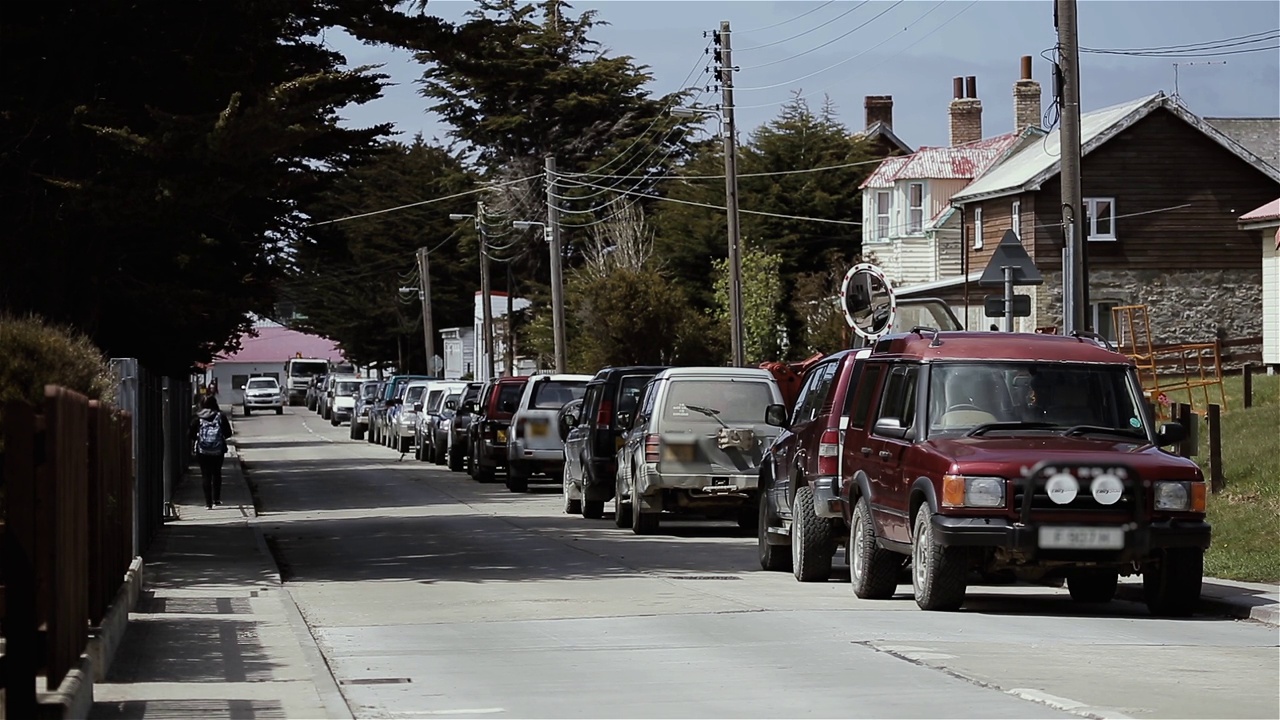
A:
{"x": 215, "y": 635}
{"x": 1227, "y": 598}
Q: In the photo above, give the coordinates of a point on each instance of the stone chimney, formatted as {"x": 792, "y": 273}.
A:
{"x": 966, "y": 111}
{"x": 1026, "y": 99}
{"x": 879, "y": 109}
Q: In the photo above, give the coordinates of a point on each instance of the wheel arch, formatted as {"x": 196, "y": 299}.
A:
{"x": 922, "y": 494}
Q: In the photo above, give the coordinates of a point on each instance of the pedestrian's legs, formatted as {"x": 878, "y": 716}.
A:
{"x": 217, "y": 478}
{"x": 207, "y": 470}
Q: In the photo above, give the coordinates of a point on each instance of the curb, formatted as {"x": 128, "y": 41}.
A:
{"x": 74, "y": 696}
{"x": 105, "y": 639}
{"x": 1268, "y": 614}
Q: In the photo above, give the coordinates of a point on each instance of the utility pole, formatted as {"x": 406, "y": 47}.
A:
{"x": 424, "y": 291}
{"x": 485, "y": 292}
{"x": 552, "y": 232}
{"x": 509, "y": 346}
{"x": 731, "y": 194}
{"x": 1075, "y": 262}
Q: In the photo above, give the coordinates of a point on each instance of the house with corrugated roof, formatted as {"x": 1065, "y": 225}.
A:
{"x": 1163, "y": 192}
{"x": 910, "y": 228}
{"x": 1265, "y": 221}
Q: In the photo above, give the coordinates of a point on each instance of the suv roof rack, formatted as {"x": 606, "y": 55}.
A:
{"x": 922, "y": 329}
{"x": 1104, "y": 342}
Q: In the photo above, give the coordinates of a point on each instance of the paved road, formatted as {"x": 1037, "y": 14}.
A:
{"x": 432, "y": 595}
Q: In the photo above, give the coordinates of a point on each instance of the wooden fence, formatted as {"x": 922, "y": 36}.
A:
{"x": 68, "y": 534}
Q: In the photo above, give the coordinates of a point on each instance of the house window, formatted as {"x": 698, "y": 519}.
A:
{"x": 977, "y": 228}
{"x": 1100, "y": 218}
{"x": 915, "y": 207}
{"x": 1102, "y": 321}
{"x": 1017, "y": 218}
{"x": 882, "y": 214}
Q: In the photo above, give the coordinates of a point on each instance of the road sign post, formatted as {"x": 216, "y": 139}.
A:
{"x": 1010, "y": 266}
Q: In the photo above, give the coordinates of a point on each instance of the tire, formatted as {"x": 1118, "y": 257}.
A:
{"x": 593, "y": 509}
{"x": 247, "y": 412}
{"x": 332, "y": 421}
{"x": 621, "y": 513}
{"x": 517, "y": 483}
{"x": 571, "y": 506}
{"x": 1171, "y": 585}
{"x": 812, "y": 539}
{"x": 440, "y": 455}
{"x": 280, "y": 410}
{"x": 355, "y": 431}
{"x": 774, "y": 558}
{"x": 939, "y": 574}
{"x": 873, "y": 571}
{"x": 643, "y": 523}
{"x": 455, "y": 459}
{"x": 1093, "y": 586}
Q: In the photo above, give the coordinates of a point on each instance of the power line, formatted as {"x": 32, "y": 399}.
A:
{"x": 1204, "y": 45}
{"x": 1189, "y": 55}
{"x": 819, "y": 47}
{"x": 784, "y": 22}
{"x": 806, "y": 32}
{"x": 488, "y": 187}
{"x": 841, "y": 166}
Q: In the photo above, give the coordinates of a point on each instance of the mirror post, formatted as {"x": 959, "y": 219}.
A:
{"x": 1008, "y": 298}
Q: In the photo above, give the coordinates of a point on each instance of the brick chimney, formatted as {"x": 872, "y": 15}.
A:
{"x": 879, "y": 109}
{"x": 966, "y": 111}
{"x": 1026, "y": 99}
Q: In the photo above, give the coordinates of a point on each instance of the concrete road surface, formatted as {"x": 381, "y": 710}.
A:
{"x": 432, "y": 595}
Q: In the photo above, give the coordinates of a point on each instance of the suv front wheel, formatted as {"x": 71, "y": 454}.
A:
{"x": 1171, "y": 585}
{"x": 938, "y": 573}
{"x": 873, "y": 571}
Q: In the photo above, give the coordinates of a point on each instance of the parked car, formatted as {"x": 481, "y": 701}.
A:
{"x": 800, "y": 526}
{"x": 360, "y": 415}
{"x": 695, "y": 446}
{"x": 391, "y": 393}
{"x": 433, "y": 421}
{"x": 313, "y": 391}
{"x": 325, "y": 396}
{"x": 421, "y": 409}
{"x": 488, "y": 431}
{"x": 458, "y": 446}
{"x": 1025, "y": 456}
{"x": 402, "y": 416}
{"x": 534, "y": 447}
{"x": 342, "y": 400}
{"x": 595, "y": 435}
{"x": 263, "y": 393}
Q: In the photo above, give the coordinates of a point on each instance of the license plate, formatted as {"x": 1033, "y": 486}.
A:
{"x": 1081, "y": 538}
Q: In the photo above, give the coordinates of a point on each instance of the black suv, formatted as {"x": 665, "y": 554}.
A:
{"x": 591, "y": 444}
{"x": 458, "y": 446}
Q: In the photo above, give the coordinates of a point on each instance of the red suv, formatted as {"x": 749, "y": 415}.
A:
{"x": 492, "y": 422}
{"x": 1033, "y": 457}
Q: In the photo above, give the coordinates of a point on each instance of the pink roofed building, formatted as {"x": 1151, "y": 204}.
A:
{"x": 265, "y": 355}
{"x": 1265, "y": 221}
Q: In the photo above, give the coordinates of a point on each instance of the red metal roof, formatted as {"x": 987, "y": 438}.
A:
{"x": 962, "y": 162}
{"x": 1270, "y": 211}
{"x": 277, "y": 344}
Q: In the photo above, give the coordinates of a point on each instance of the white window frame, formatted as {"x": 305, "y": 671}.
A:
{"x": 885, "y": 217}
{"x": 914, "y": 226}
{"x": 977, "y": 228}
{"x": 1096, "y": 314}
{"x": 1091, "y": 219}
{"x": 1016, "y": 216}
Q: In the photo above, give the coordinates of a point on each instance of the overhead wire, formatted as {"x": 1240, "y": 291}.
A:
{"x": 1238, "y": 40}
{"x": 784, "y": 22}
{"x": 815, "y": 48}
{"x": 806, "y": 32}
{"x": 1189, "y": 54}
{"x": 486, "y": 188}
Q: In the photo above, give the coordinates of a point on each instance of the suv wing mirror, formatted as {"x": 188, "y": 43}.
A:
{"x": 776, "y": 415}
{"x": 450, "y": 404}
{"x": 624, "y": 420}
{"x": 417, "y": 407}
{"x": 1170, "y": 434}
{"x": 890, "y": 427}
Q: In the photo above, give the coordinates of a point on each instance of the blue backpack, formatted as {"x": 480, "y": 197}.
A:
{"x": 209, "y": 440}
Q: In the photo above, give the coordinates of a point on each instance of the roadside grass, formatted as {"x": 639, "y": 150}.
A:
{"x": 1246, "y": 515}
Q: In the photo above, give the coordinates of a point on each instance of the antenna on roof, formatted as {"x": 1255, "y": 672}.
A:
{"x": 1202, "y": 62}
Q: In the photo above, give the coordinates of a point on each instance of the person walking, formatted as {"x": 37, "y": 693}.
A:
{"x": 210, "y": 429}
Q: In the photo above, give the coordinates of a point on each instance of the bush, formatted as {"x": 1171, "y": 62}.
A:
{"x": 34, "y": 353}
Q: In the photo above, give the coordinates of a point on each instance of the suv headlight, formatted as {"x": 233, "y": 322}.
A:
{"x": 1179, "y": 496}
{"x": 981, "y": 492}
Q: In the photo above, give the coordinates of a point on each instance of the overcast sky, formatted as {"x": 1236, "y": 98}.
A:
{"x": 911, "y": 51}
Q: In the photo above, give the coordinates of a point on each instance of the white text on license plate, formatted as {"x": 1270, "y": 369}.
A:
{"x": 1081, "y": 538}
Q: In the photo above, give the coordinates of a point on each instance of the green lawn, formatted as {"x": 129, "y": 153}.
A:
{"x": 1246, "y": 516}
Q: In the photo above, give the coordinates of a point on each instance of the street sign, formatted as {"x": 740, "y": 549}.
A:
{"x": 1010, "y": 253}
{"x": 994, "y": 305}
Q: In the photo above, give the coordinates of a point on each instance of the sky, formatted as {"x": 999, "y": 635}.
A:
{"x": 846, "y": 50}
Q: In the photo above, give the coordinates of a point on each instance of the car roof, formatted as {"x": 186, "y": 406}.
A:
{"x": 264, "y": 378}
{"x": 511, "y": 379}
{"x": 562, "y": 378}
{"x": 609, "y": 372}
{"x": 995, "y": 347}
{"x": 715, "y": 372}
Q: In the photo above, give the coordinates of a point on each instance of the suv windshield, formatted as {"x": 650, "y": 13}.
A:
{"x": 369, "y": 390}
{"x": 552, "y": 395}
{"x": 730, "y": 401}
{"x": 1048, "y": 396}
{"x": 346, "y": 388}
{"x": 262, "y": 384}
{"x": 414, "y": 394}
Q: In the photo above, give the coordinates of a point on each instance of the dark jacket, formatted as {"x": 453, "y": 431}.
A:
{"x": 207, "y": 413}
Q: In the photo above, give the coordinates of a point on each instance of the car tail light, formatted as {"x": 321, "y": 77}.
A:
{"x": 489, "y": 432}
{"x": 652, "y": 443}
{"x": 829, "y": 453}
{"x": 604, "y": 416}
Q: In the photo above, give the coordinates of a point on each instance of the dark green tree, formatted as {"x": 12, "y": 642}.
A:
{"x": 153, "y": 157}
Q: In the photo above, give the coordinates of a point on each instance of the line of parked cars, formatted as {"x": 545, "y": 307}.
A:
{"x": 946, "y": 457}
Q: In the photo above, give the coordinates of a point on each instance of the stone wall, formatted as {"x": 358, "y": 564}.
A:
{"x": 1184, "y": 307}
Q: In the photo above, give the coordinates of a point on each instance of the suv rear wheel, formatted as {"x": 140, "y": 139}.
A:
{"x": 1093, "y": 586}
{"x": 873, "y": 571}
{"x": 774, "y": 558}
{"x": 643, "y": 523}
{"x": 812, "y": 539}
{"x": 1171, "y": 586}
{"x": 938, "y": 574}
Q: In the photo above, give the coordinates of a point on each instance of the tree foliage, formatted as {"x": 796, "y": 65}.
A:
{"x": 764, "y": 333}
{"x": 153, "y": 156}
